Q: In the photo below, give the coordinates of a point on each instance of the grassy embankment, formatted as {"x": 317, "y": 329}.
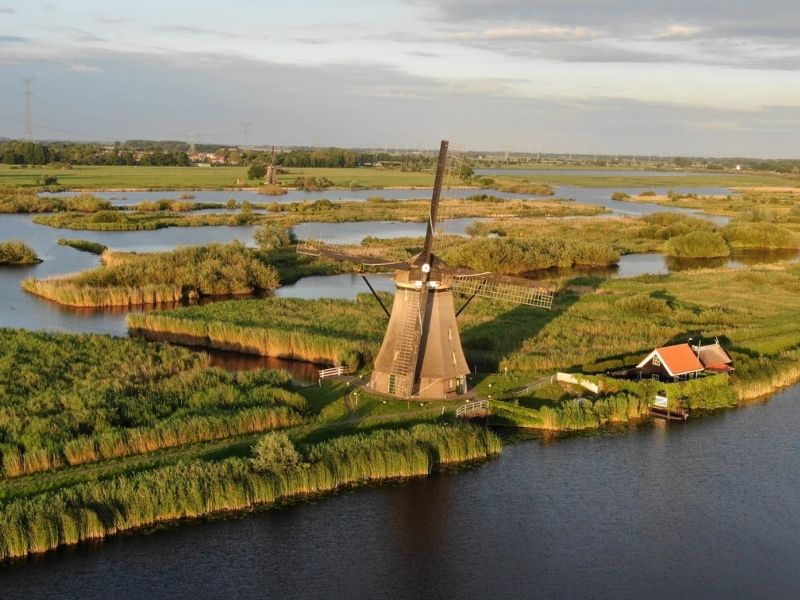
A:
{"x": 83, "y": 245}
{"x": 72, "y": 400}
{"x": 115, "y": 434}
{"x": 22, "y": 201}
{"x": 15, "y": 252}
{"x": 288, "y": 214}
{"x": 320, "y": 331}
{"x": 183, "y": 274}
{"x": 672, "y": 234}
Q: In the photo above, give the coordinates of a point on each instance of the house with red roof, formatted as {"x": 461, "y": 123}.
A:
{"x": 671, "y": 363}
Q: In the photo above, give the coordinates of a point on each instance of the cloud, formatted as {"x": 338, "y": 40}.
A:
{"x": 677, "y": 25}
{"x": 11, "y": 39}
{"x": 161, "y": 97}
{"x": 196, "y": 31}
{"x": 81, "y": 35}
{"x": 80, "y": 67}
{"x": 7, "y": 10}
{"x": 527, "y": 33}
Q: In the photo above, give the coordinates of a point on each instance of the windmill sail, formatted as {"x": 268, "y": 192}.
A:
{"x": 498, "y": 288}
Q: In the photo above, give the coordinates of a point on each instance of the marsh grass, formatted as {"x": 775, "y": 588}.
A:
{"x": 321, "y": 331}
{"x": 83, "y": 245}
{"x": 97, "y": 509}
{"x": 184, "y": 273}
{"x": 15, "y": 252}
{"x": 73, "y": 399}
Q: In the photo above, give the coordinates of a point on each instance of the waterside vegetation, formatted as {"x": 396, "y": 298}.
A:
{"x": 15, "y": 252}
{"x": 186, "y": 273}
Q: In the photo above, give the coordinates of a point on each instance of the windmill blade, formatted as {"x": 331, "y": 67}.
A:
{"x": 367, "y": 261}
{"x": 500, "y": 287}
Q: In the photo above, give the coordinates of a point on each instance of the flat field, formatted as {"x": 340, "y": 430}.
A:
{"x": 103, "y": 177}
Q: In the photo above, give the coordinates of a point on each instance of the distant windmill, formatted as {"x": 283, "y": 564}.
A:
{"x": 421, "y": 355}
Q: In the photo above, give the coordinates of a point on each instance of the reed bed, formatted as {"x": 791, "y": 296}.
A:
{"x": 184, "y": 273}
{"x": 15, "y": 252}
{"x": 97, "y": 509}
{"x": 21, "y": 201}
{"x": 83, "y": 245}
{"x": 320, "y": 331}
{"x": 72, "y": 399}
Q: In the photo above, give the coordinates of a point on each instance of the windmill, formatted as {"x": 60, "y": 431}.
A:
{"x": 421, "y": 355}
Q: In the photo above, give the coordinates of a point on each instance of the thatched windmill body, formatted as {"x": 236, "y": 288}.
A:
{"x": 421, "y": 355}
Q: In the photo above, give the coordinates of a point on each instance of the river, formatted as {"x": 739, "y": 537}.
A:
{"x": 705, "y": 509}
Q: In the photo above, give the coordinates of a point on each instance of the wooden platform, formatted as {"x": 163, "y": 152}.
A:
{"x": 681, "y": 414}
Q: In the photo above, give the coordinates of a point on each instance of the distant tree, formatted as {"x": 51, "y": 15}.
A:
{"x": 257, "y": 171}
{"x": 273, "y": 237}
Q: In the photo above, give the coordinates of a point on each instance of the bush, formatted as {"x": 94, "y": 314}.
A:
{"x": 273, "y": 237}
{"x": 14, "y": 252}
{"x": 275, "y": 452}
{"x": 760, "y": 235}
{"x": 620, "y": 196}
{"x": 698, "y": 244}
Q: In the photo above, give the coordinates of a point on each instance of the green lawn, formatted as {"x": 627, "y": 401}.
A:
{"x": 102, "y": 177}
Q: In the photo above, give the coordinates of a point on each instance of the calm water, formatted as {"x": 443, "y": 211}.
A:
{"x": 586, "y": 172}
{"x": 706, "y": 509}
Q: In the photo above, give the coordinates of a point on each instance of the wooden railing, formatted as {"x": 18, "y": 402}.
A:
{"x": 334, "y": 371}
{"x": 471, "y": 408}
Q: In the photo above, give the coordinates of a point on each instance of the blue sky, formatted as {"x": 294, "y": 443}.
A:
{"x": 598, "y": 76}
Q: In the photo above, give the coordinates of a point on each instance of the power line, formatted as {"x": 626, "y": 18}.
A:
{"x": 28, "y": 118}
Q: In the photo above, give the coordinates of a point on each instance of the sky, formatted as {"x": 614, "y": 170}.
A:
{"x": 676, "y": 77}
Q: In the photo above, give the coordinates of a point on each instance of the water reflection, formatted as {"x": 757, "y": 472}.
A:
{"x": 303, "y": 373}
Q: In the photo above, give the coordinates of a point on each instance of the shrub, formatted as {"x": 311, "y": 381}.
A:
{"x": 760, "y": 235}
{"x": 14, "y": 252}
{"x": 275, "y": 452}
{"x": 620, "y": 196}
{"x": 273, "y": 237}
{"x": 698, "y": 244}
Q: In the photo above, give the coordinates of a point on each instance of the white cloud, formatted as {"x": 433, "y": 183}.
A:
{"x": 80, "y": 67}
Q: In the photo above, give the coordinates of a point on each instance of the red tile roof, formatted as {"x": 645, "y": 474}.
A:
{"x": 678, "y": 359}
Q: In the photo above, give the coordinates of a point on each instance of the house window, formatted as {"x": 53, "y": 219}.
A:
{"x": 655, "y": 376}
{"x": 656, "y": 361}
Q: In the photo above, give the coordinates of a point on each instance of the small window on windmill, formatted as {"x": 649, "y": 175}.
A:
{"x": 454, "y": 357}
{"x": 656, "y": 361}
{"x": 449, "y": 334}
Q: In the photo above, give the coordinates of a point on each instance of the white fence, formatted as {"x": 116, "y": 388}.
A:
{"x": 334, "y": 371}
{"x": 472, "y": 407}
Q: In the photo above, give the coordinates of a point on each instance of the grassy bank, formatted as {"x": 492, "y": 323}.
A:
{"x": 83, "y": 245}
{"x": 287, "y": 214}
{"x": 76, "y": 399}
{"x": 15, "y": 252}
{"x": 185, "y": 273}
{"x": 321, "y": 331}
{"x": 98, "y": 509}
{"x": 22, "y": 201}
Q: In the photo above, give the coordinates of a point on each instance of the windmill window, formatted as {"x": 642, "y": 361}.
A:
{"x": 454, "y": 357}
{"x": 656, "y": 361}
{"x": 449, "y": 334}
